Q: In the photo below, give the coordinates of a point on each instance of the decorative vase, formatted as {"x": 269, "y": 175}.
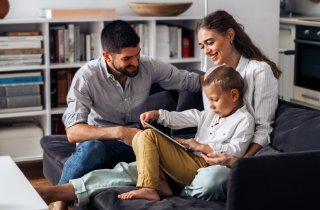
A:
{"x": 4, "y": 8}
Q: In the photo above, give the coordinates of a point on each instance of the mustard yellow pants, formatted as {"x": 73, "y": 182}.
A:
{"x": 155, "y": 154}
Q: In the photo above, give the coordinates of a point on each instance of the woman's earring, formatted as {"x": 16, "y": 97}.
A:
{"x": 231, "y": 41}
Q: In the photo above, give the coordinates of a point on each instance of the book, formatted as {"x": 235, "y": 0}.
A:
{"x": 62, "y": 88}
{"x": 20, "y": 38}
{"x": 88, "y": 47}
{"x": 21, "y": 51}
{"x": 19, "y": 57}
{"x": 21, "y": 109}
{"x": 77, "y": 13}
{"x": 21, "y": 78}
{"x": 22, "y": 33}
{"x": 20, "y": 44}
{"x": 20, "y": 101}
{"x": 36, "y": 61}
{"x": 19, "y": 90}
{"x": 20, "y": 74}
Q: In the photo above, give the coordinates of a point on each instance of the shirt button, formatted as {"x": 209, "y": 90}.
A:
{"x": 210, "y": 133}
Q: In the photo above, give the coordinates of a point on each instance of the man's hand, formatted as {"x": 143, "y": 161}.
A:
{"x": 126, "y": 134}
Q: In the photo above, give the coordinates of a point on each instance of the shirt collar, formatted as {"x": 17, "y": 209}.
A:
{"x": 241, "y": 109}
{"x": 104, "y": 67}
{"x": 242, "y": 64}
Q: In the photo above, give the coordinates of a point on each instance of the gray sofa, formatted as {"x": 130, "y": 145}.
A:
{"x": 284, "y": 175}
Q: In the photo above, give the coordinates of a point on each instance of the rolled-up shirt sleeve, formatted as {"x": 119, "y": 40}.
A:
{"x": 79, "y": 103}
{"x": 179, "y": 120}
{"x": 265, "y": 105}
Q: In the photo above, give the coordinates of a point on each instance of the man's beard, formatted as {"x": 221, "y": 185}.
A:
{"x": 124, "y": 70}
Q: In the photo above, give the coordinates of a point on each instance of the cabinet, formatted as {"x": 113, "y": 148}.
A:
{"x": 286, "y": 60}
{"x": 47, "y": 117}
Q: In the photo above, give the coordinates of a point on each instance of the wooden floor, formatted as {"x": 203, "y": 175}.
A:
{"x": 33, "y": 171}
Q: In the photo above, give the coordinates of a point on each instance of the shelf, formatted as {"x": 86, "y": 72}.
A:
{"x": 67, "y": 65}
{"x": 22, "y": 68}
{"x": 23, "y": 114}
{"x": 58, "y": 76}
{"x": 58, "y": 110}
{"x": 183, "y": 60}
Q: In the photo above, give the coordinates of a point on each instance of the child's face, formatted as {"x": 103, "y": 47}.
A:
{"x": 223, "y": 103}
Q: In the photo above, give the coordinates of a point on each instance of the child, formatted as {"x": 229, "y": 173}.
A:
{"x": 227, "y": 127}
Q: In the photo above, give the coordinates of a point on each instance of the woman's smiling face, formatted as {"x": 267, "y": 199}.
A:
{"x": 215, "y": 45}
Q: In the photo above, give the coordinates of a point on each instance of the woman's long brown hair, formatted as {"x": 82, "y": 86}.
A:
{"x": 221, "y": 21}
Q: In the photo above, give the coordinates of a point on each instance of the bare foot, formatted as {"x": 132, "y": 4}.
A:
{"x": 51, "y": 194}
{"x": 142, "y": 193}
{"x": 165, "y": 189}
{"x": 60, "y": 205}
{"x": 45, "y": 194}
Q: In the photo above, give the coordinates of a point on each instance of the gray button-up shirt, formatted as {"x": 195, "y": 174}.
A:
{"x": 96, "y": 98}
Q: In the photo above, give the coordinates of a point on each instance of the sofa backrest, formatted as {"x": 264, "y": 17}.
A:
{"x": 296, "y": 128}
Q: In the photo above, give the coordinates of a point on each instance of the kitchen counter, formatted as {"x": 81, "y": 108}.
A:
{"x": 301, "y": 20}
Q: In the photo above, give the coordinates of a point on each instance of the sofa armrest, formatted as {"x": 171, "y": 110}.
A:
{"x": 277, "y": 182}
{"x": 56, "y": 150}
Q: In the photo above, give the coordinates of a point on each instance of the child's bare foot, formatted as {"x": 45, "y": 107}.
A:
{"x": 142, "y": 193}
{"x": 165, "y": 189}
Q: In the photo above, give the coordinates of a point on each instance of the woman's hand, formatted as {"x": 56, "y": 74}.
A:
{"x": 223, "y": 159}
{"x": 149, "y": 117}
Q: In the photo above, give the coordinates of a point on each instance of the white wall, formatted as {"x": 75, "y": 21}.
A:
{"x": 306, "y": 7}
{"x": 19, "y": 9}
{"x": 260, "y": 19}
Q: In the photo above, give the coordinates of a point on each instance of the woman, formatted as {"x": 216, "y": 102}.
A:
{"x": 225, "y": 42}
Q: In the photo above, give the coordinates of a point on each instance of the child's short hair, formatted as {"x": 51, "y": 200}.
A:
{"x": 226, "y": 78}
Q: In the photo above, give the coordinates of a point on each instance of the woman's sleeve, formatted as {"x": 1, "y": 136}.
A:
{"x": 265, "y": 103}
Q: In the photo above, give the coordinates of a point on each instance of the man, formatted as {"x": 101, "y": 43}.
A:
{"x": 107, "y": 96}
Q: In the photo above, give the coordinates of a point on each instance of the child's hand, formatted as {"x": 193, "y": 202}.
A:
{"x": 190, "y": 143}
{"x": 149, "y": 117}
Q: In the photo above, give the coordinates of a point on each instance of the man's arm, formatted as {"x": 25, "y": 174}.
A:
{"x": 83, "y": 132}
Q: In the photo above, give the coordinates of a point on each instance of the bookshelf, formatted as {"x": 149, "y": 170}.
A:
{"x": 47, "y": 117}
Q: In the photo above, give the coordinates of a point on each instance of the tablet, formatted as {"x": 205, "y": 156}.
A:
{"x": 168, "y": 137}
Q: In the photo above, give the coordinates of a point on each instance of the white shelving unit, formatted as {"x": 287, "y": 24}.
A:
{"x": 94, "y": 26}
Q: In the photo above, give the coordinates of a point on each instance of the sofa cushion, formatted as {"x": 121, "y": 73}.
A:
{"x": 296, "y": 128}
{"x": 108, "y": 200}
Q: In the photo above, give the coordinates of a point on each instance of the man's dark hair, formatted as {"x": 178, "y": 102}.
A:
{"x": 117, "y": 35}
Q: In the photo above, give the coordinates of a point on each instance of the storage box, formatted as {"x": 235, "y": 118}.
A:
{"x": 19, "y": 141}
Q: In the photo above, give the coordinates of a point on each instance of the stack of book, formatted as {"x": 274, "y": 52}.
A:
{"x": 68, "y": 44}
{"x": 142, "y": 30}
{"x": 60, "y": 83}
{"x": 20, "y": 92}
{"x": 21, "y": 48}
{"x": 174, "y": 42}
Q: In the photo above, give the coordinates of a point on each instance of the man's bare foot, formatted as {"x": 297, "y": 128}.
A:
{"x": 51, "y": 194}
{"x": 45, "y": 194}
{"x": 60, "y": 205}
{"x": 165, "y": 189}
{"x": 142, "y": 193}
